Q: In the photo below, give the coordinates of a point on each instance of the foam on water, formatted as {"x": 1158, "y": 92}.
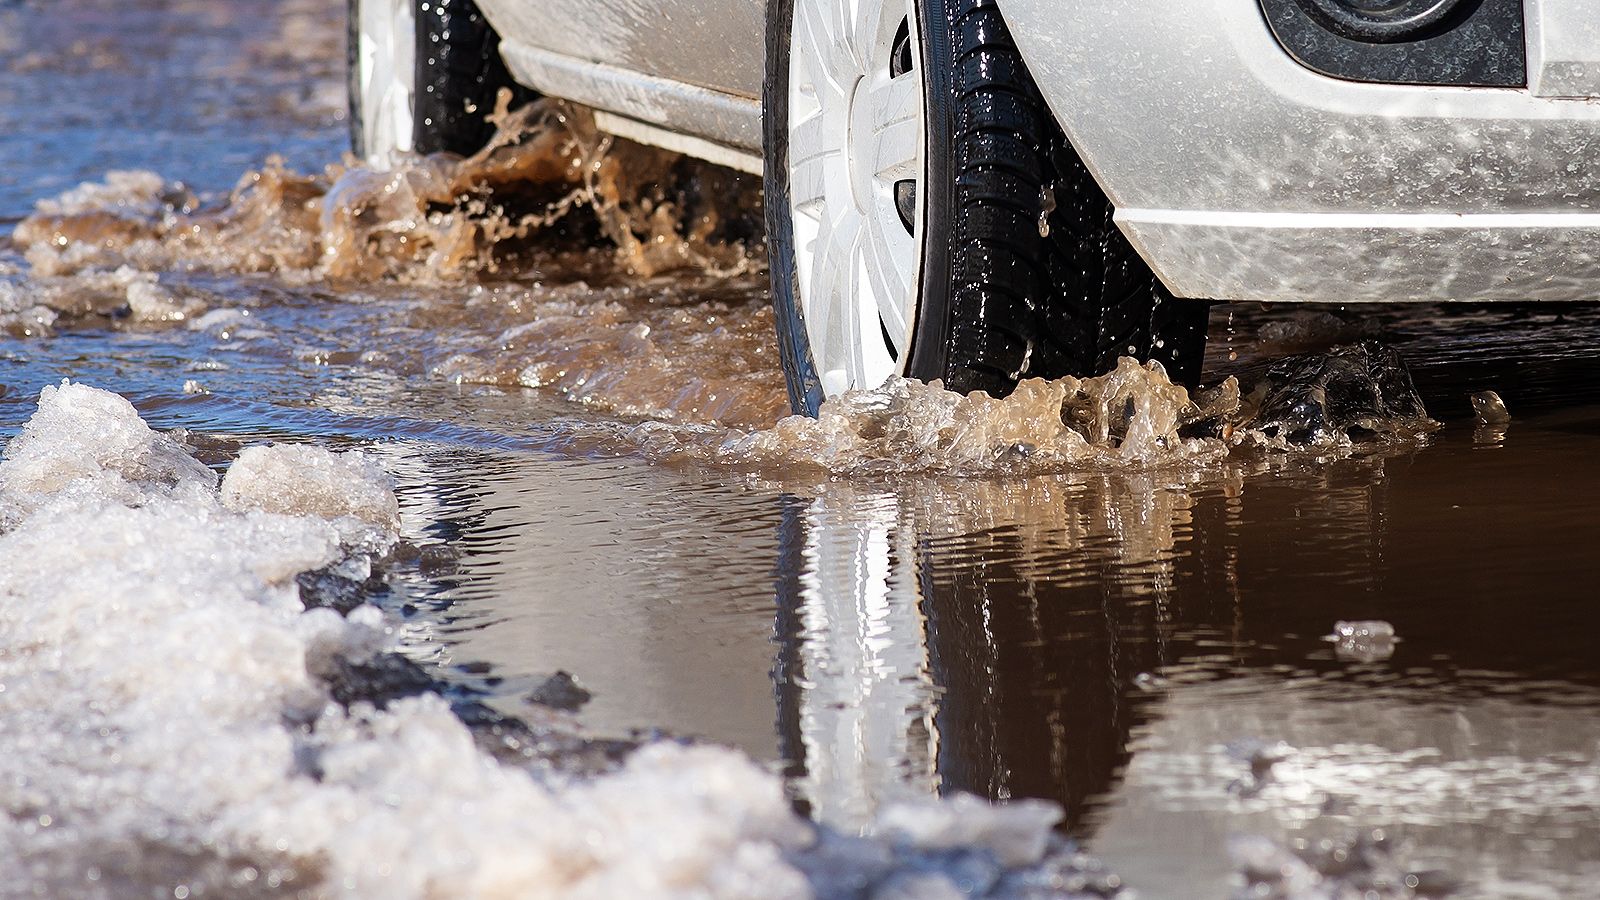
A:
{"x": 37, "y": 306}
{"x": 1131, "y": 417}
{"x": 168, "y": 717}
{"x": 1132, "y": 414}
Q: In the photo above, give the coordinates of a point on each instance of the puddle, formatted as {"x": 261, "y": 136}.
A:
{"x": 1105, "y": 594}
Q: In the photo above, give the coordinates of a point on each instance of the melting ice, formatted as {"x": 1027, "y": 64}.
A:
{"x": 167, "y": 723}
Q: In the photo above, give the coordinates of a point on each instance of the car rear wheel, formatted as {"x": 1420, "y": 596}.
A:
{"x": 423, "y": 75}
{"x": 927, "y": 217}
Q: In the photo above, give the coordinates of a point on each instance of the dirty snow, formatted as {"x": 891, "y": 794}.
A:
{"x": 165, "y": 723}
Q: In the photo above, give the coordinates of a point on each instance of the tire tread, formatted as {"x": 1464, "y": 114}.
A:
{"x": 1079, "y": 294}
{"x": 458, "y": 69}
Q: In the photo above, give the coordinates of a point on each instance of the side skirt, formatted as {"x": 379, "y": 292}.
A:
{"x": 719, "y": 127}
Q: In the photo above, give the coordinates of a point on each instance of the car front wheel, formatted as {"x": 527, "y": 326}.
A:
{"x": 927, "y": 217}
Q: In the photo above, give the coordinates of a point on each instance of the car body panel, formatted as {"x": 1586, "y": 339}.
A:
{"x": 718, "y": 45}
{"x": 729, "y": 121}
{"x": 1563, "y": 48}
{"x": 1202, "y": 110}
{"x": 1241, "y": 175}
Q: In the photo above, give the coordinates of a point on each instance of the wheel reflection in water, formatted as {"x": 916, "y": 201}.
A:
{"x": 905, "y": 667}
{"x": 855, "y": 697}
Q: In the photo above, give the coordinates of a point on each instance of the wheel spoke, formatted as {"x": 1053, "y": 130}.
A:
{"x": 888, "y": 258}
{"x": 866, "y": 20}
{"x": 896, "y": 99}
{"x": 873, "y": 362}
{"x": 834, "y": 285}
{"x": 823, "y": 52}
{"x": 811, "y": 149}
{"x": 857, "y": 311}
{"x": 897, "y": 151}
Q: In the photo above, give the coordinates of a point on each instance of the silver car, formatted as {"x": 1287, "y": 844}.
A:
{"x": 987, "y": 190}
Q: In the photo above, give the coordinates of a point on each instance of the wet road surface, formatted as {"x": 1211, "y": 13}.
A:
{"x": 1147, "y": 644}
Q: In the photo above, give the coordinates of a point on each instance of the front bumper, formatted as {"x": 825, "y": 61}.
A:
{"x": 1241, "y": 175}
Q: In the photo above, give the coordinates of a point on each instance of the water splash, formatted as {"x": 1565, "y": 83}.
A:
{"x": 423, "y": 219}
{"x": 1131, "y": 417}
{"x": 693, "y": 356}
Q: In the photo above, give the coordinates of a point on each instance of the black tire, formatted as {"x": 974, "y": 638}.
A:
{"x": 459, "y": 73}
{"x": 1001, "y": 299}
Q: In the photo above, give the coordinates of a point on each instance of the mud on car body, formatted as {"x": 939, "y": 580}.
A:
{"x": 982, "y": 191}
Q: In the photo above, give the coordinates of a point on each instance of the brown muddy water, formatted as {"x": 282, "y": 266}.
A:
{"x": 1136, "y": 617}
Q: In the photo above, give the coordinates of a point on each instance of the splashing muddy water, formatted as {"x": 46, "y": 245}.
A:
{"x": 675, "y": 357}
{"x": 1105, "y": 594}
{"x": 424, "y": 219}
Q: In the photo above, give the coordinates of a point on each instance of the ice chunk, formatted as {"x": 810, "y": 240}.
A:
{"x": 1017, "y": 832}
{"x": 150, "y": 302}
{"x": 1363, "y": 641}
{"x": 310, "y": 481}
{"x": 130, "y": 192}
{"x": 1489, "y": 408}
{"x": 92, "y": 442}
{"x": 20, "y": 313}
{"x": 166, "y": 694}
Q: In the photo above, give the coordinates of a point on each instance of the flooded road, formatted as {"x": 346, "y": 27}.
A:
{"x": 1140, "y": 627}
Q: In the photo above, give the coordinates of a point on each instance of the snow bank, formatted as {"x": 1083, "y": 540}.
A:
{"x": 158, "y": 692}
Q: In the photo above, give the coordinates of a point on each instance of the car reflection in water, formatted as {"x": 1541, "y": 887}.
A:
{"x": 1149, "y": 651}
{"x": 925, "y": 649}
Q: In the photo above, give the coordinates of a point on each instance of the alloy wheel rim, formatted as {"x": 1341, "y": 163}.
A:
{"x": 387, "y": 77}
{"x": 856, "y": 169}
